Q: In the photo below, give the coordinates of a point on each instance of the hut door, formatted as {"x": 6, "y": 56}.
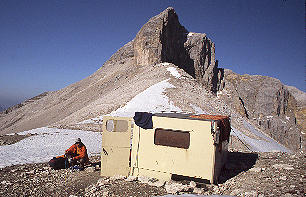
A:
{"x": 115, "y": 152}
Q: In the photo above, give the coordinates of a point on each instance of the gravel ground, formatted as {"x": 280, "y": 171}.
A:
{"x": 246, "y": 174}
{"x": 41, "y": 180}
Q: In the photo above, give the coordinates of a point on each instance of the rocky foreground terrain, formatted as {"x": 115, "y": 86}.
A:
{"x": 245, "y": 174}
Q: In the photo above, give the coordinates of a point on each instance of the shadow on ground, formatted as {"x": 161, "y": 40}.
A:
{"x": 237, "y": 162}
{"x": 96, "y": 163}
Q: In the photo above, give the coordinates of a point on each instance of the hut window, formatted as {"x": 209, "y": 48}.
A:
{"x": 172, "y": 138}
{"x": 117, "y": 125}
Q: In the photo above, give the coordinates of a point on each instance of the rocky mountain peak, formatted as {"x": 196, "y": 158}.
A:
{"x": 151, "y": 41}
{"x": 164, "y": 39}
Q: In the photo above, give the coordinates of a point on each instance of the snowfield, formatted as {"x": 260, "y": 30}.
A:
{"x": 174, "y": 72}
{"x": 46, "y": 144}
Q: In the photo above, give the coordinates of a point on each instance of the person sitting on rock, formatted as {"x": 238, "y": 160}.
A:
{"x": 77, "y": 153}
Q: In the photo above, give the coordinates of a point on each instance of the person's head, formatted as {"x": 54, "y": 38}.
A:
{"x": 78, "y": 142}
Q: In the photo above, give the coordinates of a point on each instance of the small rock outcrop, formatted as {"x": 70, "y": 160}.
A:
{"x": 164, "y": 39}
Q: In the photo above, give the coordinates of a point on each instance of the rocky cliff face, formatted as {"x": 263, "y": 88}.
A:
{"x": 270, "y": 105}
{"x": 164, "y": 39}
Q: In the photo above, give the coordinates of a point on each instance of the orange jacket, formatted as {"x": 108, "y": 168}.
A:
{"x": 80, "y": 152}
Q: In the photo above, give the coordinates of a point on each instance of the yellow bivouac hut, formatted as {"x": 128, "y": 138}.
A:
{"x": 165, "y": 144}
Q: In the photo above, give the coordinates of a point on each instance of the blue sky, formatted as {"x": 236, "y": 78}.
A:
{"x": 47, "y": 45}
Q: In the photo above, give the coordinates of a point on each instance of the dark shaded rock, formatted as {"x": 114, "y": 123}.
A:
{"x": 201, "y": 51}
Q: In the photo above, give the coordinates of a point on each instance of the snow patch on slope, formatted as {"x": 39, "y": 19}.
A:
{"x": 197, "y": 109}
{"x": 46, "y": 144}
{"x": 150, "y": 100}
{"x": 174, "y": 72}
{"x": 267, "y": 144}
